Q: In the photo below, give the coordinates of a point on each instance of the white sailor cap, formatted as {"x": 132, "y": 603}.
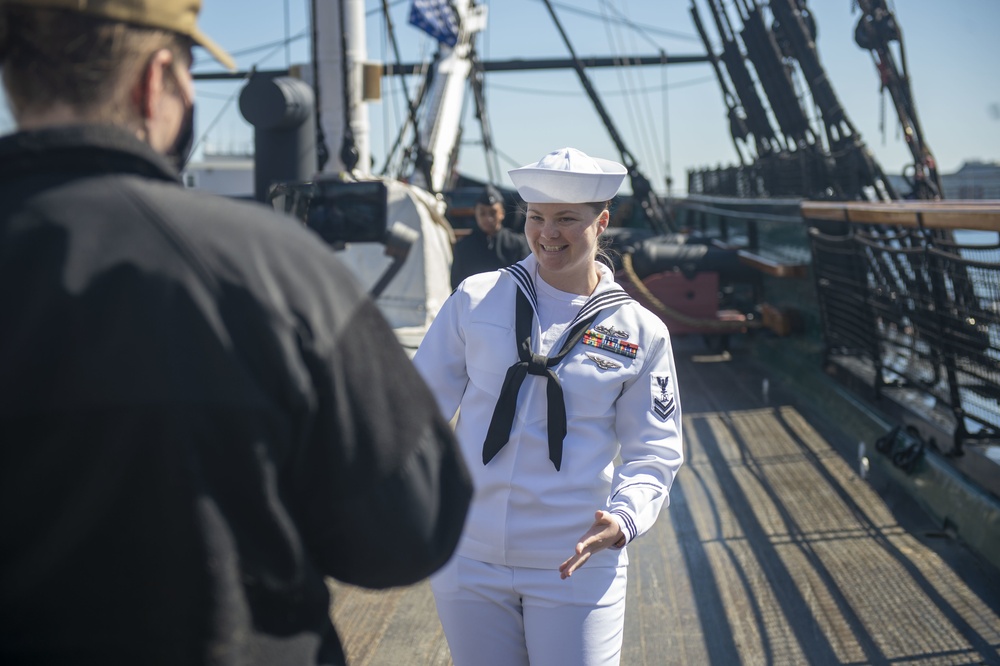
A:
{"x": 568, "y": 175}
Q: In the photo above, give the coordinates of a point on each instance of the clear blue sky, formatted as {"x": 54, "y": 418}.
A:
{"x": 678, "y": 121}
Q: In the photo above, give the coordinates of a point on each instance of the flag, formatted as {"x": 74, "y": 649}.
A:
{"x": 436, "y": 18}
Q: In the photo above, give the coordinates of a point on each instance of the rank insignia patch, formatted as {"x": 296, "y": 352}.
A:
{"x": 610, "y": 343}
{"x": 602, "y": 362}
{"x": 663, "y": 396}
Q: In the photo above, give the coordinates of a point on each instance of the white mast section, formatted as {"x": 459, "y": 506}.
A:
{"x": 440, "y": 122}
{"x": 330, "y": 68}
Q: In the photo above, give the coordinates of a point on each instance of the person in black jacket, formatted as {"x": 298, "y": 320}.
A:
{"x": 491, "y": 245}
{"x": 201, "y": 414}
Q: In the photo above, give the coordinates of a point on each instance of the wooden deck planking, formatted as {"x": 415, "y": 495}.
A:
{"x": 773, "y": 551}
{"x": 398, "y": 626}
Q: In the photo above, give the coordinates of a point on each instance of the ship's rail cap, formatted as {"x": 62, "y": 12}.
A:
{"x": 979, "y": 215}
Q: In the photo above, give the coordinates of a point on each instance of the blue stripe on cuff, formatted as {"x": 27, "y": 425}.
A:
{"x": 630, "y": 530}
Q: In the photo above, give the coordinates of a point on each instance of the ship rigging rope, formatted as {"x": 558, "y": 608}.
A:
{"x": 678, "y": 316}
{"x": 644, "y": 30}
{"x": 275, "y": 48}
{"x": 631, "y": 79}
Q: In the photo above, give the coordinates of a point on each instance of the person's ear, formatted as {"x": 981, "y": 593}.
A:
{"x": 152, "y": 82}
{"x": 602, "y": 221}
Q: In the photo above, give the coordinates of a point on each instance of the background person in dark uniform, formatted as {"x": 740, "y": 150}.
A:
{"x": 491, "y": 245}
{"x": 201, "y": 414}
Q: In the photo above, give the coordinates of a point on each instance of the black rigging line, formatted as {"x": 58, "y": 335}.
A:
{"x": 411, "y": 105}
{"x": 666, "y": 135}
{"x": 642, "y": 31}
{"x": 322, "y": 148}
{"x": 626, "y": 155}
{"x": 377, "y": 10}
{"x": 739, "y": 128}
{"x": 608, "y": 93}
{"x": 288, "y": 52}
{"x": 623, "y": 20}
{"x": 275, "y": 46}
{"x": 349, "y": 154}
{"x": 478, "y": 84}
{"x": 620, "y": 71}
{"x": 641, "y": 118}
{"x": 642, "y": 191}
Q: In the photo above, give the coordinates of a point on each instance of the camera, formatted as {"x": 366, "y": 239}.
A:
{"x": 339, "y": 211}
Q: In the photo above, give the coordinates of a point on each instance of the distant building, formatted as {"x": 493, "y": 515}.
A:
{"x": 228, "y": 174}
{"x": 973, "y": 180}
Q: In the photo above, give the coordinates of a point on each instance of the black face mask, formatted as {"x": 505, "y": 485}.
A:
{"x": 180, "y": 152}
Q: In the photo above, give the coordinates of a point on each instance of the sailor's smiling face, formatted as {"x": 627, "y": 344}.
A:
{"x": 563, "y": 237}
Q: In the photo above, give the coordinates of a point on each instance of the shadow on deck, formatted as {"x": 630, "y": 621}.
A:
{"x": 773, "y": 551}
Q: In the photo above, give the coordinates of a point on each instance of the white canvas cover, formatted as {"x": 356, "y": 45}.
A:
{"x": 416, "y": 293}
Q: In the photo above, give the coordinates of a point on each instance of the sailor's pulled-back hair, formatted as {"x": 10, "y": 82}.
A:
{"x": 85, "y": 64}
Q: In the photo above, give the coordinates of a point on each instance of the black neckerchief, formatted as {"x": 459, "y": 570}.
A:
{"x": 530, "y": 363}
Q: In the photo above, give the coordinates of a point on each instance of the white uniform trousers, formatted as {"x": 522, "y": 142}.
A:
{"x": 495, "y": 615}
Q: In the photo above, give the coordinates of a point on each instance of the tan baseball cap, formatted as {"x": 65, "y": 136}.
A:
{"x": 180, "y": 16}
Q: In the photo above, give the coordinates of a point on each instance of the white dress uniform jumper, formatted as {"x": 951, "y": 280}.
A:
{"x": 542, "y": 468}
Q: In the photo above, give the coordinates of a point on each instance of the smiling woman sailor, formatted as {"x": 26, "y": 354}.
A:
{"x": 554, "y": 371}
